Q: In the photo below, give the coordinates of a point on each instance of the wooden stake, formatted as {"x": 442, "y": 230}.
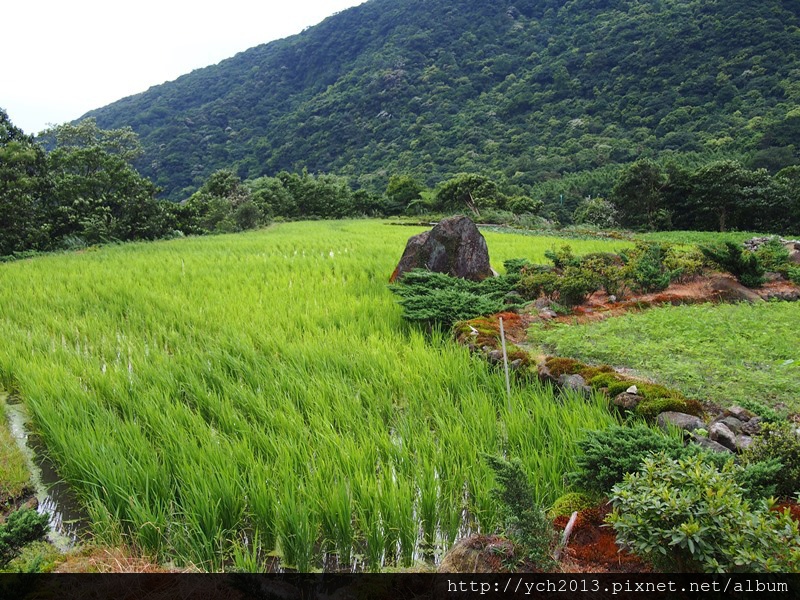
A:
{"x": 505, "y": 362}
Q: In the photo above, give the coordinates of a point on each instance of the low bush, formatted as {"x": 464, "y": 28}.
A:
{"x": 773, "y": 255}
{"x": 688, "y": 262}
{"x": 781, "y": 442}
{"x": 21, "y": 527}
{"x": 576, "y": 284}
{"x": 607, "y": 270}
{"x": 646, "y": 269}
{"x": 438, "y": 299}
{"x": 690, "y": 516}
{"x": 526, "y": 523}
{"x": 536, "y": 283}
{"x": 605, "y": 456}
{"x": 734, "y": 259}
{"x": 563, "y": 257}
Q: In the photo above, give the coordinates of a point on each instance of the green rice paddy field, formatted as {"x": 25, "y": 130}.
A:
{"x": 219, "y": 400}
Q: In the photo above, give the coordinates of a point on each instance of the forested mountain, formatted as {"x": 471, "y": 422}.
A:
{"x": 525, "y": 91}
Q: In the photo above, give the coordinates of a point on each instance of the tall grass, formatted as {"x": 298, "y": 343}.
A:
{"x": 222, "y": 398}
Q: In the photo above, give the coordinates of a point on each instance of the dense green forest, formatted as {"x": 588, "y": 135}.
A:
{"x": 551, "y": 95}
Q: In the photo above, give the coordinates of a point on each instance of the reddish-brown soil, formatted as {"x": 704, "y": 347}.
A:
{"x": 794, "y": 509}
{"x": 695, "y": 291}
{"x": 592, "y": 547}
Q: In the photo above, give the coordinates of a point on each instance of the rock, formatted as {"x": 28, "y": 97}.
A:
{"x": 576, "y": 383}
{"x": 478, "y": 554}
{"x": 732, "y": 423}
{"x": 612, "y": 299}
{"x": 411, "y": 258}
{"x": 752, "y": 427}
{"x": 708, "y": 444}
{"x": 31, "y": 503}
{"x": 627, "y": 402}
{"x": 541, "y": 303}
{"x": 794, "y": 256}
{"x": 454, "y": 246}
{"x": 495, "y": 356}
{"x": 731, "y": 290}
{"x": 515, "y": 364}
{"x": 679, "y": 420}
{"x": 783, "y": 295}
{"x": 632, "y": 390}
{"x": 743, "y": 442}
{"x": 721, "y": 433}
{"x": 740, "y": 413}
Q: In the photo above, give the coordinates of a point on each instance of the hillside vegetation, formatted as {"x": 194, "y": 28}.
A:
{"x": 528, "y": 91}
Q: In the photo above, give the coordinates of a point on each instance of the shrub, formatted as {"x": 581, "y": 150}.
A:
{"x": 563, "y": 257}
{"x": 438, "y": 299}
{"x": 537, "y": 283}
{"x": 576, "y": 284}
{"x": 607, "y": 270}
{"x": 607, "y": 455}
{"x": 743, "y": 265}
{"x": 781, "y": 442}
{"x": 516, "y": 265}
{"x": 688, "y": 262}
{"x": 21, "y": 527}
{"x": 793, "y": 275}
{"x": 526, "y": 522}
{"x": 688, "y": 515}
{"x": 646, "y": 269}
{"x": 773, "y": 255}
{"x": 569, "y": 503}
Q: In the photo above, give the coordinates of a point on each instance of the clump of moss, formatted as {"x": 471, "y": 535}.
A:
{"x": 559, "y": 366}
{"x": 604, "y": 380}
{"x": 479, "y": 332}
{"x": 589, "y": 372}
{"x": 569, "y": 503}
{"x": 650, "y": 408}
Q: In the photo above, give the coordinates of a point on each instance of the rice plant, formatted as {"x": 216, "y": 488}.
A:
{"x": 198, "y": 390}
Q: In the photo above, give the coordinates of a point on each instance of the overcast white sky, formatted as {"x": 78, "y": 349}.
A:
{"x": 62, "y": 58}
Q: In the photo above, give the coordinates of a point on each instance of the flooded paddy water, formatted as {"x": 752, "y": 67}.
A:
{"x": 68, "y": 520}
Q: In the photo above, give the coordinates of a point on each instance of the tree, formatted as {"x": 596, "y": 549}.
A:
{"x": 727, "y": 195}
{"x": 97, "y": 194}
{"x": 596, "y": 211}
{"x": 222, "y": 205}
{"x": 401, "y": 191}
{"x": 638, "y": 195}
{"x": 23, "y": 186}
{"x": 467, "y": 190}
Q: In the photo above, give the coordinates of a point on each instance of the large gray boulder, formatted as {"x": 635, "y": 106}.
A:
{"x": 454, "y": 246}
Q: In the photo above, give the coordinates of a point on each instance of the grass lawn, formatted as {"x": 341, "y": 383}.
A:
{"x": 730, "y": 354}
